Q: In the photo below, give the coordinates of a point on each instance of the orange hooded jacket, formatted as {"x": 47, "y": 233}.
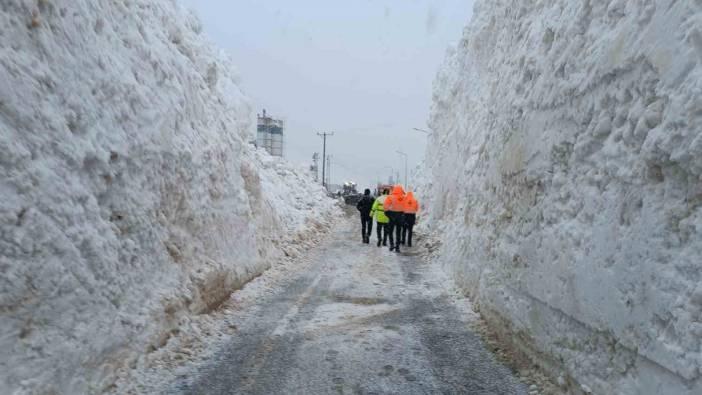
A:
{"x": 411, "y": 205}
{"x": 396, "y": 200}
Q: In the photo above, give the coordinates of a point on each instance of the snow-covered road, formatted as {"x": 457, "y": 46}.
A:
{"x": 356, "y": 319}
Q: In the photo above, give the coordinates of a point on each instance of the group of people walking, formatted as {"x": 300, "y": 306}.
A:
{"x": 395, "y": 215}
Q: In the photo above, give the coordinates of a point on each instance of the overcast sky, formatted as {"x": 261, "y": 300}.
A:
{"x": 362, "y": 69}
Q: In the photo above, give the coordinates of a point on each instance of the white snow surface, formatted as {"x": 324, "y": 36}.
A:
{"x": 130, "y": 198}
{"x": 566, "y": 185}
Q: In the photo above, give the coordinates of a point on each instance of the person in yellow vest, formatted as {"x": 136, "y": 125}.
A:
{"x": 381, "y": 219}
{"x": 410, "y": 210}
{"x": 394, "y": 209}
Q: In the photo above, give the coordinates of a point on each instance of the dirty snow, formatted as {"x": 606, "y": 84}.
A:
{"x": 131, "y": 200}
{"x": 343, "y": 317}
{"x": 200, "y": 336}
{"x": 566, "y": 185}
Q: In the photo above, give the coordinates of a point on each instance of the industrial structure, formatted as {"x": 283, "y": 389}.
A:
{"x": 269, "y": 134}
{"x": 314, "y": 168}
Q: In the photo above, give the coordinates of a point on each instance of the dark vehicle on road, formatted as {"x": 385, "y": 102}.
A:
{"x": 350, "y": 194}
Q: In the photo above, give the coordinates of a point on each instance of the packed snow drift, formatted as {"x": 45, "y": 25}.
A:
{"x": 130, "y": 197}
{"x": 565, "y": 181}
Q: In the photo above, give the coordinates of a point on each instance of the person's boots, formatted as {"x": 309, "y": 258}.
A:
{"x": 379, "y": 242}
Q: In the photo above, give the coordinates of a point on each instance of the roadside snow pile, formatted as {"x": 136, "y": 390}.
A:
{"x": 567, "y": 185}
{"x": 130, "y": 199}
{"x": 200, "y": 337}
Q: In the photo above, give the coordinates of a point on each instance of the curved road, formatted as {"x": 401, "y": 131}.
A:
{"x": 358, "y": 320}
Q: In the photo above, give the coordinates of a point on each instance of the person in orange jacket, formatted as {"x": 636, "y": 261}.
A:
{"x": 411, "y": 208}
{"x": 394, "y": 210}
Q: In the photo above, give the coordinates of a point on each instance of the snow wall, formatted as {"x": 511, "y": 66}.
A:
{"x": 130, "y": 198}
{"x": 565, "y": 179}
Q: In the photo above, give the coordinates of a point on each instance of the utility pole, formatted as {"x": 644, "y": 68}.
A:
{"x": 405, "y": 155}
{"x": 329, "y": 170}
{"x": 324, "y": 154}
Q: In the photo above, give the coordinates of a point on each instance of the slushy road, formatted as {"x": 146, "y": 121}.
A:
{"x": 357, "y": 320}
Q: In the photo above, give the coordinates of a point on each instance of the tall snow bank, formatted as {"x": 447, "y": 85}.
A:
{"x": 566, "y": 182}
{"x": 129, "y": 196}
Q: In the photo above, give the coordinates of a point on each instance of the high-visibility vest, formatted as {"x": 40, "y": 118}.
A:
{"x": 378, "y": 212}
{"x": 411, "y": 206}
{"x": 394, "y": 203}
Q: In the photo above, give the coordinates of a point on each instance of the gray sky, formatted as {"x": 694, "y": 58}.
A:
{"x": 362, "y": 69}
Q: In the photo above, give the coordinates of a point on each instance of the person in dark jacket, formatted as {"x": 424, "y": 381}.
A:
{"x": 364, "y": 206}
{"x": 394, "y": 209}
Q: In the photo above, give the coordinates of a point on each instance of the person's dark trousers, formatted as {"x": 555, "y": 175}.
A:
{"x": 394, "y": 229}
{"x": 399, "y": 221}
{"x": 379, "y": 230}
{"x": 366, "y": 227}
{"x": 410, "y": 219}
{"x": 390, "y": 228}
{"x": 403, "y": 237}
{"x": 403, "y": 230}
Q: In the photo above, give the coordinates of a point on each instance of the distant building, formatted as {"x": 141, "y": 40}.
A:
{"x": 314, "y": 168}
{"x": 269, "y": 134}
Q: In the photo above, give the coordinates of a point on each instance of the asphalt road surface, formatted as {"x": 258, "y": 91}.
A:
{"x": 358, "y": 320}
